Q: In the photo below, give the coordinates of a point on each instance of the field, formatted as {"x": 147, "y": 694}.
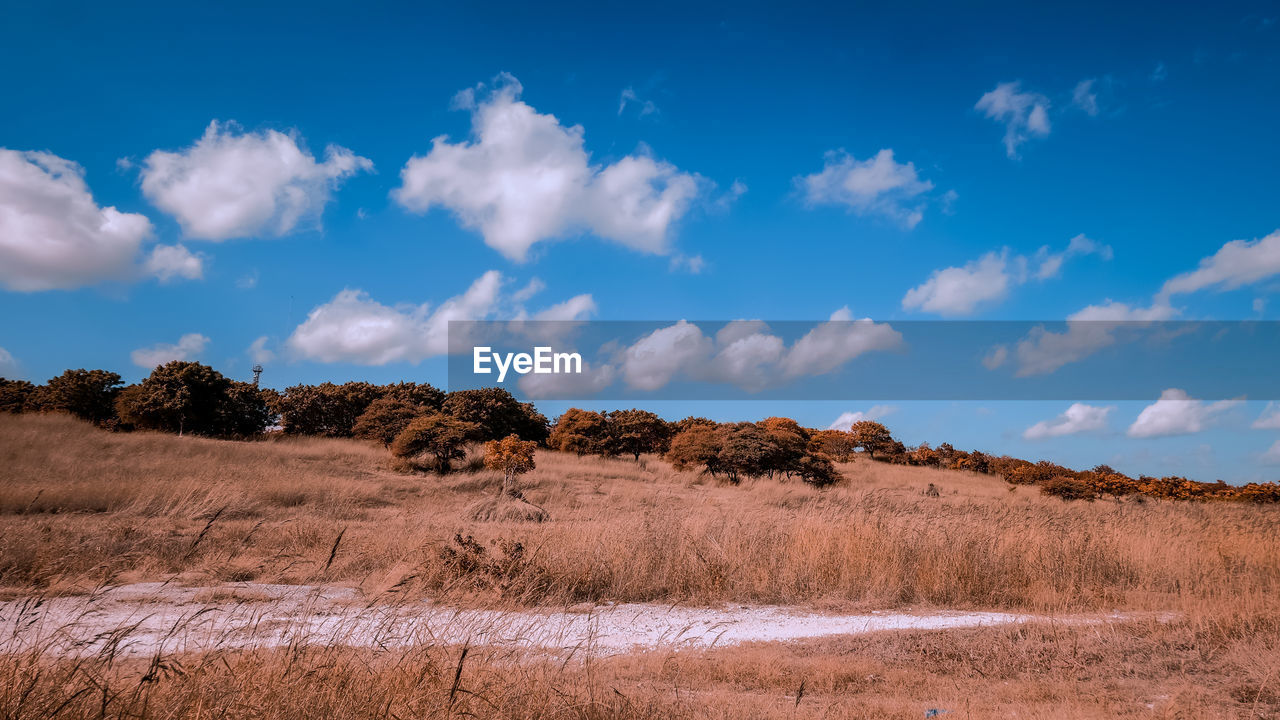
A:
{"x": 1198, "y": 584}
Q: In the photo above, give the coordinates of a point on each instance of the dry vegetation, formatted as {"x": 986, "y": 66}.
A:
{"x": 80, "y": 507}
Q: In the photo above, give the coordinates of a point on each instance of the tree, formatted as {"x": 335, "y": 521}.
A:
{"x": 441, "y": 436}
{"x": 14, "y": 394}
{"x": 188, "y": 397}
{"x": 790, "y": 442}
{"x": 496, "y": 414}
{"x": 872, "y": 437}
{"x": 745, "y": 451}
{"x": 328, "y": 410}
{"x": 635, "y": 432}
{"x": 817, "y": 470}
{"x": 697, "y": 446}
{"x": 87, "y": 394}
{"x": 512, "y": 456}
{"x": 428, "y": 396}
{"x": 580, "y": 432}
{"x": 386, "y": 418}
{"x": 835, "y": 444}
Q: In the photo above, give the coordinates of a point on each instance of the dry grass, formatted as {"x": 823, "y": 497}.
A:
{"x": 80, "y": 507}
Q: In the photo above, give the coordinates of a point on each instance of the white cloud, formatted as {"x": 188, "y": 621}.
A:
{"x": 259, "y": 352}
{"x": 652, "y": 361}
{"x": 747, "y": 354}
{"x": 52, "y": 233}
{"x": 1235, "y": 264}
{"x": 188, "y": 347}
{"x": 525, "y": 178}
{"x": 354, "y": 328}
{"x": 996, "y": 357}
{"x": 1272, "y": 455}
{"x": 879, "y": 185}
{"x": 1088, "y": 331}
{"x": 168, "y": 262}
{"x": 1259, "y": 305}
{"x": 1084, "y": 97}
{"x": 1269, "y": 419}
{"x": 1025, "y": 114}
{"x": 1051, "y": 262}
{"x": 847, "y": 419}
{"x": 629, "y": 97}
{"x": 1175, "y": 413}
{"x": 234, "y": 184}
{"x": 590, "y": 381}
{"x": 960, "y": 290}
{"x": 692, "y": 264}
{"x": 1078, "y": 418}
{"x": 836, "y": 342}
{"x": 8, "y": 365}
{"x": 534, "y": 286}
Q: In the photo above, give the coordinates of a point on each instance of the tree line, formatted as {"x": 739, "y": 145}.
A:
{"x": 416, "y": 421}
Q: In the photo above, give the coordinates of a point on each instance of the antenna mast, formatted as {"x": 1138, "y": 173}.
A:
{"x": 257, "y": 371}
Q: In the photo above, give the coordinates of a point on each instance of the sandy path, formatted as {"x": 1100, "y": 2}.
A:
{"x": 147, "y": 618}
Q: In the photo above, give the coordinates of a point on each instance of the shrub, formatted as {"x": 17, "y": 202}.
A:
{"x": 496, "y": 414}
{"x": 437, "y": 434}
{"x": 511, "y": 456}
{"x": 386, "y": 418}
{"x": 1068, "y": 488}
{"x": 87, "y": 394}
{"x": 14, "y": 394}
{"x": 580, "y": 432}
{"x": 817, "y": 470}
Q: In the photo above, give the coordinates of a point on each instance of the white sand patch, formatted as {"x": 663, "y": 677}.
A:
{"x": 148, "y": 618}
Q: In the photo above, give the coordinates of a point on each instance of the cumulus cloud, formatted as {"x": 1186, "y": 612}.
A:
{"x": 168, "y": 262}
{"x": 960, "y": 290}
{"x": 1078, "y": 418}
{"x": 1235, "y": 264}
{"x": 878, "y": 185}
{"x": 1088, "y": 331}
{"x": 236, "y": 184}
{"x": 1025, "y": 115}
{"x": 259, "y": 352}
{"x": 8, "y": 364}
{"x": 524, "y": 178}
{"x": 1269, "y": 419}
{"x": 747, "y": 354}
{"x": 52, "y": 233}
{"x": 847, "y": 419}
{"x": 1175, "y": 413}
{"x": 354, "y": 328}
{"x": 188, "y": 347}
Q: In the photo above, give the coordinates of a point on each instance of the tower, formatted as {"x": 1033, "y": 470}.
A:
{"x": 257, "y": 371}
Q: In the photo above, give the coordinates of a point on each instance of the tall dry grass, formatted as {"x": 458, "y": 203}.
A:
{"x": 79, "y": 507}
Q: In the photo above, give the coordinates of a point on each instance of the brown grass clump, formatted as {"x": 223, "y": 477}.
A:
{"x": 507, "y": 508}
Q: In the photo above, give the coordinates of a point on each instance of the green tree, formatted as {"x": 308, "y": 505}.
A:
{"x": 437, "y": 434}
{"x": 790, "y": 443}
{"x": 634, "y": 432}
{"x": 14, "y": 394}
{"x": 497, "y": 414}
{"x": 745, "y": 452}
{"x": 580, "y": 432}
{"x": 87, "y": 394}
{"x": 428, "y": 396}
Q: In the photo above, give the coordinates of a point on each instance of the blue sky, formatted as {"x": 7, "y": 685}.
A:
{"x": 740, "y": 161}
